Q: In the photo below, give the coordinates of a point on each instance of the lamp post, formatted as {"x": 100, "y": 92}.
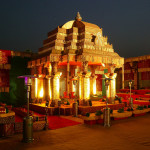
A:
{"x": 107, "y": 109}
{"x": 46, "y": 110}
{"x": 28, "y": 120}
{"x": 131, "y": 100}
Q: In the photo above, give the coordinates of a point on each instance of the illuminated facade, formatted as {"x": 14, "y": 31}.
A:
{"x": 136, "y": 69}
{"x": 69, "y": 60}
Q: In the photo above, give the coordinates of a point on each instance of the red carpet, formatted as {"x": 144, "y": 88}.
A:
{"x": 18, "y": 118}
{"x": 55, "y": 122}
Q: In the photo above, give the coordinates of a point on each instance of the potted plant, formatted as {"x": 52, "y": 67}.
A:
{"x": 111, "y": 113}
{"x": 99, "y": 115}
{"x": 148, "y": 108}
{"x": 139, "y": 111}
{"x": 89, "y": 118}
{"x": 121, "y": 114}
{"x": 90, "y": 102}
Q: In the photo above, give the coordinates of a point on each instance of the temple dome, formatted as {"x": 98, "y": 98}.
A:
{"x": 78, "y": 23}
{"x": 68, "y": 25}
{"x": 74, "y": 23}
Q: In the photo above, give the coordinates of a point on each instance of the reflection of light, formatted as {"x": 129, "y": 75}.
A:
{"x": 80, "y": 88}
{"x": 73, "y": 87}
{"x": 57, "y": 83}
{"x": 94, "y": 87}
{"x": 49, "y": 86}
{"x": 74, "y": 82}
{"x": 41, "y": 93}
{"x": 36, "y": 86}
{"x": 103, "y": 65}
{"x": 88, "y": 88}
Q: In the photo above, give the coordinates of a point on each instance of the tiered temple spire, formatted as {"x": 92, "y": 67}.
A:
{"x": 78, "y": 17}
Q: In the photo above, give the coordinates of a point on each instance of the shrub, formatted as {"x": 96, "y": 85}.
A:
{"x": 111, "y": 111}
{"x": 139, "y": 108}
{"x": 103, "y": 100}
{"x": 130, "y": 109}
{"x": 121, "y": 110}
{"x": 98, "y": 113}
{"x": 87, "y": 114}
{"x": 90, "y": 102}
{"x": 68, "y": 103}
{"x": 145, "y": 106}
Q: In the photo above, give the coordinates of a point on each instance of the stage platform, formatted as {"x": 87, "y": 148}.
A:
{"x": 66, "y": 110}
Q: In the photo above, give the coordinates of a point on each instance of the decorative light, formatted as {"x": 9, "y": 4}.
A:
{"x": 94, "y": 87}
{"x": 36, "y": 87}
{"x": 41, "y": 93}
{"x": 103, "y": 64}
{"x": 49, "y": 86}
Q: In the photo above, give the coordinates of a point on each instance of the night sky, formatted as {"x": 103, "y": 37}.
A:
{"x": 24, "y": 24}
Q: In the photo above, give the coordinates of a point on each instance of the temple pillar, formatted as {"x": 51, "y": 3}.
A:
{"x": 80, "y": 86}
{"x": 93, "y": 82}
{"x": 112, "y": 87}
{"x": 111, "y": 91}
{"x": 55, "y": 84}
{"x": 74, "y": 81}
{"x": 68, "y": 80}
{"x": 84, "y": 85}
{"x": 46, "y": 85}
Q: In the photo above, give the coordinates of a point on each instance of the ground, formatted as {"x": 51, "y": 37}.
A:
{"x": 128, "y": 134}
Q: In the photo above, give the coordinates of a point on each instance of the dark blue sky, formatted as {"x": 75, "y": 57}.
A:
{"x": 24, "y": 24}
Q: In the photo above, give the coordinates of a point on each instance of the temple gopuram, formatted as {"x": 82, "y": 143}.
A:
{"x": 73, "y": 62}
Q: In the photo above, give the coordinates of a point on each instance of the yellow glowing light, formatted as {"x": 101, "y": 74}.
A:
{"x": 36, "y": 87}
{"x": 80, "y": 89}
{"x": 88, "y": 89}
{"x": 49, "y": 86}
{"x": 103, "y": 65}
{"x": 57, "y": 82}
{"x": 41, "y": 93}
{"x": 73, "y": 86}
{"x": 94, "y": 87}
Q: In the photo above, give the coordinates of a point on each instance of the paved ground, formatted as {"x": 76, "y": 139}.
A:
{"x": 128, "y": 134}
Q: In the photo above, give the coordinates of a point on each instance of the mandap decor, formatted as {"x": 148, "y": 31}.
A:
{"x": 77, "y": 51}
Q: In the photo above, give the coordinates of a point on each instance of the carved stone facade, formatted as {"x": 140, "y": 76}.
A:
{"x": 76, "y": 47}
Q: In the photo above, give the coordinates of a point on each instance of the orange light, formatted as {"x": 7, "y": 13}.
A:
{"x": 49, "y": 85}
{"x": 36, "y": 87}
{"x": 94, "y": 87}
{"x": 41, "y": 93}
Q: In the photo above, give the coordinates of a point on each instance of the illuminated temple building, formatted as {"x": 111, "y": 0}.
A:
{"x": 72, "y": 62}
